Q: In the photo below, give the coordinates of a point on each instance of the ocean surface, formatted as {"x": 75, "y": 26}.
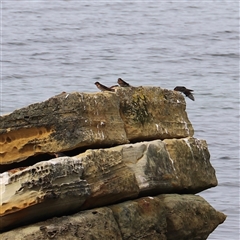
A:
{"x": 52, "y": 46}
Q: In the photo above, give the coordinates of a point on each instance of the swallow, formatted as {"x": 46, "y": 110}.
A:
{"x": 186, "y": 91}
{"x": 123, "y": 83}
{"x": 102, "y": 87}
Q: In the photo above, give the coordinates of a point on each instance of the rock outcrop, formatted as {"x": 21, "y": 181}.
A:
{"x": 104, "y": 168}
{"x": 70, "y": 121}
{"x": 105, "y": 176}
{"x": 167, "y": 216}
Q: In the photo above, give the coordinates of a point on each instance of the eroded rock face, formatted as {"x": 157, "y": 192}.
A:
{"x": 170, "y": 160}
{"x": 167, "y": 216}
{"x": 192, "y": 155}
{"x": 109, "y": 178}
{"x": 189, "y": 217}
{"x": 70, "y": 121}
{"x": 95, "y": 224}
{"x": 61, "y": 123}
{"x": 152, "y": 113}
{"x": 104, "y": 176}
{"x": 41, "y": 191}
{"x": 144, "y": 218}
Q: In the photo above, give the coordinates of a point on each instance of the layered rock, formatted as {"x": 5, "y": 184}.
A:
{"x": 61, "y": 123}
{"x": 104, "y": 176}
{"x": 163, "y": 158}
{"x": 167, "y": 216}
{"x": 152, "y": 113}
{"x": 70, "y": 121}
{"x": 43, "y": 190}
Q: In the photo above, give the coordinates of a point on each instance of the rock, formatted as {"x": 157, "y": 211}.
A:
{"x": 152, "y": 113}
{"x": 104, "y": 176}
{"x": 94, "y": 224}
{"x": 167, "y": 216}
{"x": 163, "y": 158}
{"x": 192, "y": 155}
{"x": 61, "y": 123}
{"x": 69, "y": 121}
{"x": 144, "y": 218}
{"x": 189, "y": 217}
{"x": 46, "y": 189}
{"x": 160, "y": 168}
{"x": 109, "y": 178}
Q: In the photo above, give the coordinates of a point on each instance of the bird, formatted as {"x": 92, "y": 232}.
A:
{"x": 186, "y": 91}
{"x": 103, "y": 88}
{"x": 123, "y": 83}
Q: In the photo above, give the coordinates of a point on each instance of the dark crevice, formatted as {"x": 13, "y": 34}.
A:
{"x": 45, "y": 157}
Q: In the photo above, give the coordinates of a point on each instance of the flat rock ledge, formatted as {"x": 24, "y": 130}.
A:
{"x": 133, "y": 148}
{"x": 104, "y": 176}
{"x": 75, "y": 120}
{"x": 163, "y": 217}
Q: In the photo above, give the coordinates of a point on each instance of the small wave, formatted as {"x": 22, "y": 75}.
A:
{"x": 231, "y": 55}
{"x": 225, "y": 157}
{"x": 40, "y": 53}
{"x": 17, "y": 43}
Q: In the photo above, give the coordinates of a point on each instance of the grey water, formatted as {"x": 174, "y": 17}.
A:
{"x": 52, "y": 46}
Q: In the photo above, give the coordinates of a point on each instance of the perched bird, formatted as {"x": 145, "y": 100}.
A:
{"x": 186, "y": 91}
{"x": 103, "y": 88}
{"x": 123, "y": 83}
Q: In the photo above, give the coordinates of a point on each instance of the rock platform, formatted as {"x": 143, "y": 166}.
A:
{"x": 130, "y": 168}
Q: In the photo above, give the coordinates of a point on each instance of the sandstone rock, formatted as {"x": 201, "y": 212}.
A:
{"x": 168, "y": 216}
{"x": 109, "y": 178}
{"x": 158, "y": 170}
{"x": 144, "y": 218}
{"x": 94, "y": 224}
{"x": 70, "y": 121}
{"x": 171, "y": 162}
{"x": 153, "y": 113}
{"x": 192, "y": 155}
{"x": 41, "y": 191}
{"x": 104, "y": 176}
{"x": 146, "y": 168}
{"x": 189, "y": 217}
{"x": 61, "y": 123}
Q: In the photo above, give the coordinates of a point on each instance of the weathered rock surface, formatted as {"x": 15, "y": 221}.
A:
{"x": 192, "y": 155}
{"x": 61, "y": 123}
{"x": 167, "y": 216}
{"x": 70, "y": 121}
{"x": 41, "y": 191}
{"x": 152, "y": 113}
{"x": 170, "y": 161}
{"x": 104, "y": 176}
{"x": 189, "y": 217}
